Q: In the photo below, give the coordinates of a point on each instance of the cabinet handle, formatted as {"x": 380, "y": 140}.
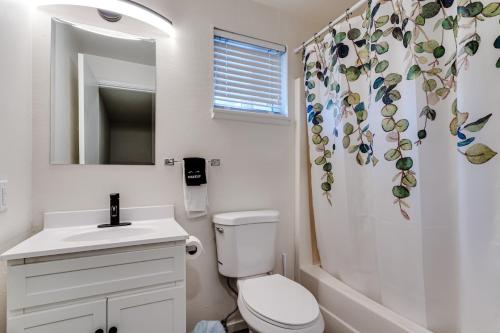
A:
{"x": 113, "y": 330}
{"x": 99, "y": 331}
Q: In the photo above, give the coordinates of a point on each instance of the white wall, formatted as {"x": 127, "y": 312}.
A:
{"x": 65, "y": 120}
{"x": 126, "y": 143}
{"x": 103, "y": 134}
{"x": 257, "y": 160}
{"x": 124, "y": 73}
{"x": 130, "y": 143}
{"x": 15, "y": 128}
{"x": 89, "y": 110}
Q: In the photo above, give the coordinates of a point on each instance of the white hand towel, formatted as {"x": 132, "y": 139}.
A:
{"x": 195, "y": 198}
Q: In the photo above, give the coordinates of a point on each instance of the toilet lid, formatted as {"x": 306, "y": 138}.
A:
{"x": 279, "y": 300}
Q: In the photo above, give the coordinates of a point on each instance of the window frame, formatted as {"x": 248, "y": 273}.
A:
{"x": 281, "y": 118}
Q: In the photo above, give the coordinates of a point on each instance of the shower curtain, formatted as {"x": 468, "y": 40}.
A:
{"x": 404, "y": 129}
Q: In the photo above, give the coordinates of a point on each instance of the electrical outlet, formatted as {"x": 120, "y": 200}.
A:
{"x": 3, "y": 195}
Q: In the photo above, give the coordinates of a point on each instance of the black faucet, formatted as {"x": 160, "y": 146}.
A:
{"x": 114, "y": 209}
{"x": 114, "y": 212}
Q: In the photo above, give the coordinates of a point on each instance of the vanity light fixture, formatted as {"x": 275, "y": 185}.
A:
{"x": 124, "y": 7}
{"x": 109, "y": 16}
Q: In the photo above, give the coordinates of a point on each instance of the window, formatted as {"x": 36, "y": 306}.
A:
{"x": 249, "y": 76}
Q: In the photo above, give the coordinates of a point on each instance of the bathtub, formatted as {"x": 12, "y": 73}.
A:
{"x": 347, "y": 311}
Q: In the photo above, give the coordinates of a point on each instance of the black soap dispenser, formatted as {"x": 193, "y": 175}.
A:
{"x": 114, "y": 212}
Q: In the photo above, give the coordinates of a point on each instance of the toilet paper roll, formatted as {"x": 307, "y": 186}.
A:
{"x": 194, "y": 248}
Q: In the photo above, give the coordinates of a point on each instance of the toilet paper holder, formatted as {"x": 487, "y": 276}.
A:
{"x": 194, "y": 248}
{"x": 191, "y": 249}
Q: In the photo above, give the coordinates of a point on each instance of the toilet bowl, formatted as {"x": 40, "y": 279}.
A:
{"x": 246, "y": 250}
{"x": 275, "y": 304}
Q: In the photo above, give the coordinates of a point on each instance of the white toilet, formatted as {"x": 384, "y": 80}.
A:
{"x": 268, "y": 303}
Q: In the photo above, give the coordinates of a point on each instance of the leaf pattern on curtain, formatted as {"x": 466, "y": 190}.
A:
{"x": 433, "y": 64}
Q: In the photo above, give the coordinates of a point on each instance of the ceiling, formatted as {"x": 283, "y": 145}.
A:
{"x": 128, "y": 106}
{"x": 318, "y": 12}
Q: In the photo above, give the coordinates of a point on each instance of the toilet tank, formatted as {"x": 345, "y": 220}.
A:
{"x": 246, "y": 242}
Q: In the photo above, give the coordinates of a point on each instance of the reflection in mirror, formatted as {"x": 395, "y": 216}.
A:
{"x": 103, "y": 97}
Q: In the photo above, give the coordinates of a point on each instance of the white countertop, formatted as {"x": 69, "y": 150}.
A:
{"x": 75, "y": 236}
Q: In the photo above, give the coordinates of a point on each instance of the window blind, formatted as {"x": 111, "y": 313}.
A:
{"x": 248, "y": 74}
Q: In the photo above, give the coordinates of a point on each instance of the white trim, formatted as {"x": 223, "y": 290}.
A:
{"x": 284, "y": 85}
{"x": 81, "y": 109}
{"x": 302, "y": 225}
{"x": 53, "y": 93}
{"x": 125, "y": 86}
{"x": 249, "y": 116}
{"x": 249, "y": 40}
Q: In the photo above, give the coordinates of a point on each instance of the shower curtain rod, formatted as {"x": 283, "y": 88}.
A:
{"x": 349, "y": 11}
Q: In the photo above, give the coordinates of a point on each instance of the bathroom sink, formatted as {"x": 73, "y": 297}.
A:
{"x": 109, "y": 234}
{"x": 77, "y": 231}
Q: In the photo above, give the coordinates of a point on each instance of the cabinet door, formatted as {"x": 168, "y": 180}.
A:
{"x": 79, "y": 318}
{"x": 159, "y": 311}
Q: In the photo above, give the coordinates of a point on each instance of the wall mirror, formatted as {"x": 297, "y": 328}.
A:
{"x": 103, "y": 88}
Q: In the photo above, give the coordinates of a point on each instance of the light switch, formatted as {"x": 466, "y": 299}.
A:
{"x": 3, "y": 195}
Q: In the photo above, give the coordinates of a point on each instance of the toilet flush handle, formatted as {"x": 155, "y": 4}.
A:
{"x": 220, "y": 229}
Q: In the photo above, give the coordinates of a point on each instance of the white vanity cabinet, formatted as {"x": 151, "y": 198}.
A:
{"x": 136, "y": 289}
{"x": 78, "y": 318}
{"x": 154, "y": 311}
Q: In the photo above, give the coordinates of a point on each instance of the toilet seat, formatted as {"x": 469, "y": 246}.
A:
{"x": 274, "y": 303}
